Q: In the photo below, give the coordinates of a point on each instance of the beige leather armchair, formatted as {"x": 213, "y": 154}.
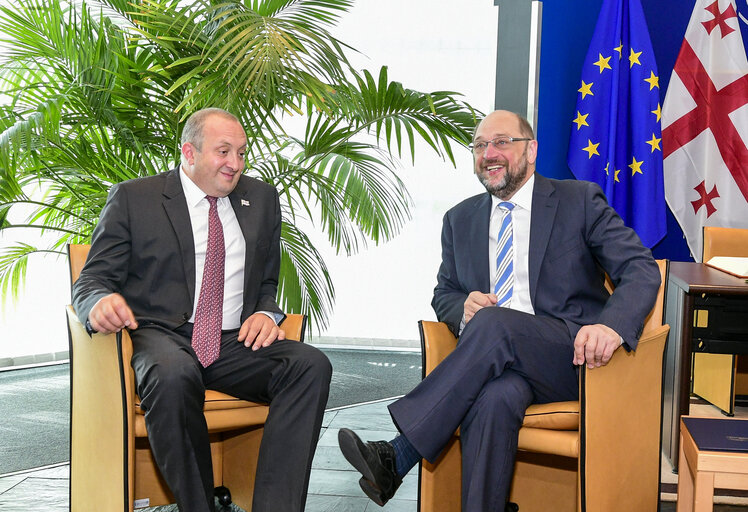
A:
{"x": 111, "y": 465}
{"x": 600, "y": 454}
{"x": 719, "y": 378}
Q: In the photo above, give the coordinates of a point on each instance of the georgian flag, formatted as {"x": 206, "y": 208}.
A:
{"x": 705, "y": 125}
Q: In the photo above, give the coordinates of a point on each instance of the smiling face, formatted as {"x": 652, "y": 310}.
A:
{"x": 504, "y": 171}
{"x": 218, "y": 163}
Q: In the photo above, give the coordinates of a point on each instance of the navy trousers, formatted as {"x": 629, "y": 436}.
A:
{"x": 292, "y": 377}
{"x": 505, "y": 360}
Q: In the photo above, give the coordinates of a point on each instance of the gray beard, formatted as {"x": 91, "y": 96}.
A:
{"x": 509, "y": 185}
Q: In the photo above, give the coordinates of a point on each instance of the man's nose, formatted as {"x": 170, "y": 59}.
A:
{"x": 491, "y": 151}
{"x": 236, "y": 162}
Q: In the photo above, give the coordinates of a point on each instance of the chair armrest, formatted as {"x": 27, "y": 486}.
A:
{"x": 99, "y": 414}
{"x": 437, "y": 341}
{"x": 621, "y": 416}
{"x": 294, "y": 326}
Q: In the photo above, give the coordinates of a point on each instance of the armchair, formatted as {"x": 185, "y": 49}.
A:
{"x": 599, "y": 454}
{"x": 111, "y": 465}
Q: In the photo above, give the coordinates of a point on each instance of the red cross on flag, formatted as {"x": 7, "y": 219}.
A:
{"x": 705, "y": 125}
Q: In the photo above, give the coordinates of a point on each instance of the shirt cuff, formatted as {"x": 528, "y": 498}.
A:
{"x": 275, "y": 317}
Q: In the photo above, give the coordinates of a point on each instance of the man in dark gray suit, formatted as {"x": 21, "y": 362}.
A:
{"x": 198, "y": 249}
{"x": 539, "y": 249}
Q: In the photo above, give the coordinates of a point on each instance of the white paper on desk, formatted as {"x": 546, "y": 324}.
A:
{"x": 735, "y": 265}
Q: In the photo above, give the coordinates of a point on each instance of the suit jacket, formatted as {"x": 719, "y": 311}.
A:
{"x": 575, "y": 238}
{"x": 143, "y": 248}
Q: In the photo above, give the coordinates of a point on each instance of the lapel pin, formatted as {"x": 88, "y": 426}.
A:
{"x": 245, "y": 202}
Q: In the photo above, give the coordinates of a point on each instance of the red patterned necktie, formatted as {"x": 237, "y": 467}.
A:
{"x": 206, "y": 335}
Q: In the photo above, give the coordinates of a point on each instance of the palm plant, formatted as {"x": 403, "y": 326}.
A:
{"x": 98, "y": 92}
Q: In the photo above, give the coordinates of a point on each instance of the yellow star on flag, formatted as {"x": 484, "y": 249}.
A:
{"x": 619, "y": 49}
{"x": 658, "y": 112}
{"x": 634, "y": 58}
{"x": 602, "y": 62}
{"x": 586, "y": 89}
{"x": 653, "y": 81}
{"x": 581, "y": 120}
{"x": 615, "y": 176}
{"x": 606, "y": 168}
{"x": 635, "y": 166}
{"x": 655, "y": 143}
{"x": 591, "y": 148}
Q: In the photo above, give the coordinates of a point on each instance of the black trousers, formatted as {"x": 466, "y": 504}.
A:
{"x": 292, "y": 377}
{"x": 505, "y": 360}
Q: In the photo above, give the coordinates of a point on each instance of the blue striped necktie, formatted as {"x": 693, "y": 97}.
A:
{"x": 504, "y": 277}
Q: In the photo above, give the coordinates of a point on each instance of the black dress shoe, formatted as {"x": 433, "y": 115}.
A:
{"x": 223, "y": 495}
{"x": 375, "y": 461}
{"x": 511, "y": 507}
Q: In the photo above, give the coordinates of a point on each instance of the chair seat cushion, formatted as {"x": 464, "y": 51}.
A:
{"x": 214, "y": 401}
{"x": 553, "y": 416}
{"x": 556, "y": 442}
{"x": 222, "y": 412}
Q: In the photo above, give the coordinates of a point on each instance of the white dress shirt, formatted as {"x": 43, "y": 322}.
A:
{"x": 521, "y": 216}
{"x": 233, "y": 286}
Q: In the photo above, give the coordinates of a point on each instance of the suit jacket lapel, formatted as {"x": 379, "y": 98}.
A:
{"x": 179, "y": 216}
{"x": 240, "y": 201}
{"x": 479, "y": 249}
{"x": 544, "y": 208}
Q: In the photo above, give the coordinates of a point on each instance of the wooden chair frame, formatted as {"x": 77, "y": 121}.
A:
{"x": 111, "y": 464}
{"x": 600, "y": 454}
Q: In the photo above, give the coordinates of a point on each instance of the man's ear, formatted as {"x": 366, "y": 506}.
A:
{"x": 188, "y": 152}
{"x": 532, "y": 151}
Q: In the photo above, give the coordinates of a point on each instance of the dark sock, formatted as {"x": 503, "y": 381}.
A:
{"x": 406, "y": 455}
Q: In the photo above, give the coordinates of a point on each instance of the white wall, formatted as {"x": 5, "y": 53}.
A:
{"x": 382, "y": 291}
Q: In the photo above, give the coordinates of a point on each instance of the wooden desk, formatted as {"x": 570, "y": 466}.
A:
{"x": 704, "y": 470}
{"x": 687, "y": 283}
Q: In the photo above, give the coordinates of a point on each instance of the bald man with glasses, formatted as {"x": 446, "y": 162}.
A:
{"x": 522, "y": 284}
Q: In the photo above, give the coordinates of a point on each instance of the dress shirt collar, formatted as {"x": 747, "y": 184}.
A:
{"x": 192, "y": 193}
{"x": 521, "y": 198}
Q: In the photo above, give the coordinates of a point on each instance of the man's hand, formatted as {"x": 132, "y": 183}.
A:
{"x": 111, "y": 314}
{"x": 476, "y": 301}
{"x": 259, "y": 331}
{"x": 595, "y": 344}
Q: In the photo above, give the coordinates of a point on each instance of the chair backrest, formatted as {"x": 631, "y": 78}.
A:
{"x": 724, "y": 242}
{"x": 77, "y": 254}
{"x": 293, "y": 325}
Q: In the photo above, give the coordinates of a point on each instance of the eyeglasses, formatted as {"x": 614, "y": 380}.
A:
{"x": 497, "y": 143}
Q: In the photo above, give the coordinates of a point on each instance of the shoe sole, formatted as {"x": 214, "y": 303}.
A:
{"x": 353, "y": 449}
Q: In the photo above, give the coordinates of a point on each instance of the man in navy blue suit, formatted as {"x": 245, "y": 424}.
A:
{"x": 522, "y": 284}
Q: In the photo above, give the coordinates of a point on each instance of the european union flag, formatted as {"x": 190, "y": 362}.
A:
{"x": 615, "y": 137}
{"x": 743, "y": 18}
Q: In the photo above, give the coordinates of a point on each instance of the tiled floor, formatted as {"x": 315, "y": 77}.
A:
{"x": 333, "y": 485}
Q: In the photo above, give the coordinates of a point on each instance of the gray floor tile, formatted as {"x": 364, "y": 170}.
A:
{"x": 394, "y": 505}
{"x": 62, "y": 471}
{"x": 370, "y": 420}
{"x": 330, "y": 457}
{"x": 9, "y": 482}
{"x": 335, "y": 483}
{"x": 330, "y": 438}
{"x": 47, "y": 494}
{"x": 318, "y": 503}
{"x": 328, "y": 417}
